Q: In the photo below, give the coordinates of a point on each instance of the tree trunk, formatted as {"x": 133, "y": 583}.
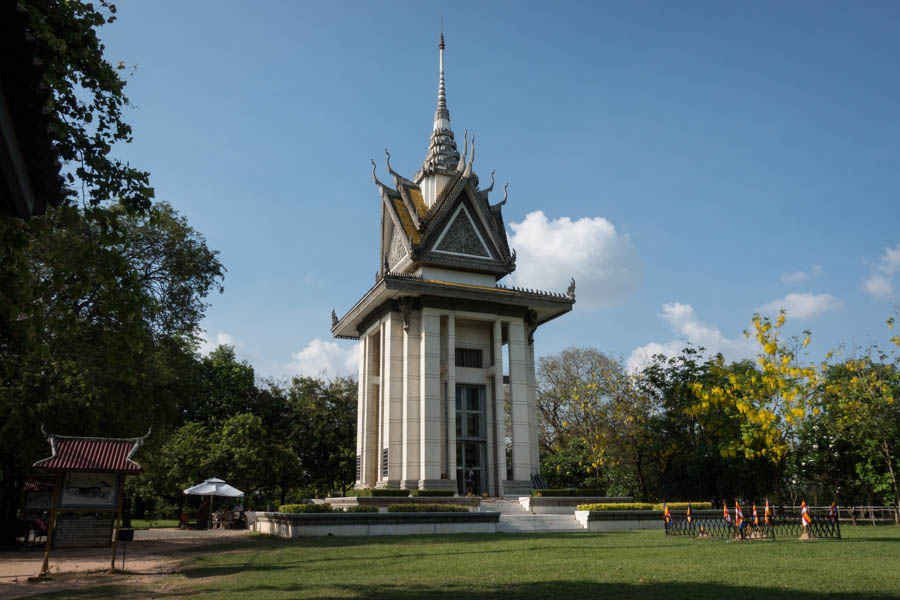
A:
{"x": 887, "y": 459}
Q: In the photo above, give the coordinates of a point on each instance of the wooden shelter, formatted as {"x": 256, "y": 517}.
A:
{"x": 90, "y": 481}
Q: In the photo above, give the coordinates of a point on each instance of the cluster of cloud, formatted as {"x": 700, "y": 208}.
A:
{"x": 690, "y": 330}
{"x": 800, "y": 276}
{"x": 207, "y": 344}
{"x": 320, "y": 357}
{"x": 802, "y": 306}
{"x": 604, "y": 263}
{"x": 881, "y": 284}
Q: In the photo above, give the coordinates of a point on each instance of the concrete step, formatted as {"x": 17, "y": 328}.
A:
{"x": 502, "y": 506}
{"x": 534, "y": 523}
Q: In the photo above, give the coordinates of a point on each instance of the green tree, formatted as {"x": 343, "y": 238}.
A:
{"x": 323, "y": 431}
{"x": 88, "y": 96}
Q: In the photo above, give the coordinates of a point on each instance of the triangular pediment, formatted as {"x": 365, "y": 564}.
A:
{"x": 461, "y": 237}
{"x": 397, "y": 249}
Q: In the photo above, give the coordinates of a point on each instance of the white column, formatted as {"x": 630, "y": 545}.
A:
{"x": 361, "y": 410}
{"x": 518, "y": 387}
{"x": 430, "y": 400}
{"x": 392, "y": 384}
{"x": 500, "y": 425}
{"x": 451, "y": 398}
{"x": 532, "y": 409}
{"x": 411, "y": 447}
{"x": 382, "y": 384}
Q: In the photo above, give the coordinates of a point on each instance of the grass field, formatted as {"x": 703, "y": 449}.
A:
{"x": 142, "y": 523}
{"x": 630, "y": 564}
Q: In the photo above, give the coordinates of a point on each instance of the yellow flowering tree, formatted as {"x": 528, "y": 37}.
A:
{"x": 769, "y": 402}
{"x": 861, "y": 396}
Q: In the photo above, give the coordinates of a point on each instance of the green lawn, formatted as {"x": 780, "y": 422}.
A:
{"x": 631, "y": 564}
{"x": 141, "y": 523}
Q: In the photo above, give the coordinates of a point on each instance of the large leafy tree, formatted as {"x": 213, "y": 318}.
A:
{"x": 101, "y": 298}
{"x": 323, "y": 431}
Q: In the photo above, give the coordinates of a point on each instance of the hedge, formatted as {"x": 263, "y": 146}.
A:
{"x": 367, "y": 508}
{"x": 684, "y": 505}
{"x": 426, "y": 508}
{"x": 616, "y": 506}
{"x": 377, "y": 492}
{"x": 433, "y": 493}
{"x": 304, "y": 508}
{"x": 546, "y": 493}
{"x": 644, "y": 506}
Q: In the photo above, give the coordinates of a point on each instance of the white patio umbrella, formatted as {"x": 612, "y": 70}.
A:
{"x": 213, "y": 487}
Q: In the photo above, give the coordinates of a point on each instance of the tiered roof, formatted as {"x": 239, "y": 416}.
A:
{"x": 460, "y": 229}
{"x": 95, "y": 455}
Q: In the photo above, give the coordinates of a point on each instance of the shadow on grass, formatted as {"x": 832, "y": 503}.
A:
{"x": 548, "y": 589}
{"x": 542, "y": 590}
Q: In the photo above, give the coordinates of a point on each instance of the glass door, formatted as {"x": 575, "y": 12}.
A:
{"x": 471, "y": 466}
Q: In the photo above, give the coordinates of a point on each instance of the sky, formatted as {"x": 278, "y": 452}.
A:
{"x": 688, "y": 163}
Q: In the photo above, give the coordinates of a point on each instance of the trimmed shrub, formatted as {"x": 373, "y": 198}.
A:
{"x": 377, "y": 493}
{"x": 548, "y": 493}
{"x": 426, "y": 508}
{"x": 362, "y": 508}
{"x": 684, "y": 505}
{"x": 616, "y": 506}
{"x": 433, "y": 493}
{"x": 553, "y": 492}
{"x": 304, "y": 508}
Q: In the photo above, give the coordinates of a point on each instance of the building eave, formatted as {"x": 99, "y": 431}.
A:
{"x": 547, "y": 305}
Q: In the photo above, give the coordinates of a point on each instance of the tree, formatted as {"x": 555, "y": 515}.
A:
{"x": 88, "y": 95}
{"x": 323, "y": 431}
{"x": 99, "y": 303}
{"x": 860, "y": 396}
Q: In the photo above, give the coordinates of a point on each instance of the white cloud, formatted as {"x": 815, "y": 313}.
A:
{"x": 881, "y": 285}
{"x": 802, "y": 306}
{"x": 207, "y": 345}
{"x": 604, "y": 263}
{"x": 890, "y": 260}
{"x": 331, "y": 358}
{"x": 684, "y": 322}
{"x": 798, "y": 276}
{"x": 794, "y": 277}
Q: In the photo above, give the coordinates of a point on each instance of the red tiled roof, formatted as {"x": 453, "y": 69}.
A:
{"x": 107, "y": 455}
{"x": 39, "y": 484}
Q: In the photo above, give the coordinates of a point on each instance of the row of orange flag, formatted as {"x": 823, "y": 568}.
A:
{"x": 805, "y": 519}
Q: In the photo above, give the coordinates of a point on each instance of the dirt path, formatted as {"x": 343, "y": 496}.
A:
{"x": 153, "y": 553}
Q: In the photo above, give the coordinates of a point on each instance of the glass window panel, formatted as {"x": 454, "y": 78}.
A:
{"x": 458, "y": 424}
{"x": 471, "y": 456}
{"x": 473, "y": 428}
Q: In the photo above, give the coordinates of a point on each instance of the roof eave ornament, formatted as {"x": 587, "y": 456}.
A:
{"x": 461, "y": 165}
{"x": 491, "y": 189}
{"x": 388, "y": 161}
{"x": 468, "y": 172}
{"x": 375, "y": 177}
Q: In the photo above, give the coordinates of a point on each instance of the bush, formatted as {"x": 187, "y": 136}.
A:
{"x": 616, "y": 506}
{"x": 684, "y": 505}
{"x": 433, "y": 493}
{"x": 365, "y": 508}
{"x": 426, "y": 508}
{"x": 553, "y": 492}
{"x": 377, "y": 493}
{"x": 547, "y": 493}
{"x": 304, "y": 508}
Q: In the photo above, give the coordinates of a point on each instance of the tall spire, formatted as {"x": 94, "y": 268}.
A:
{"x": 442, "y": 156}
{"x": 442, "y": 112}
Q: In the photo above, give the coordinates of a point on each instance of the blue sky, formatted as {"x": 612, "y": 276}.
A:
{"x": 693, "y": 162}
